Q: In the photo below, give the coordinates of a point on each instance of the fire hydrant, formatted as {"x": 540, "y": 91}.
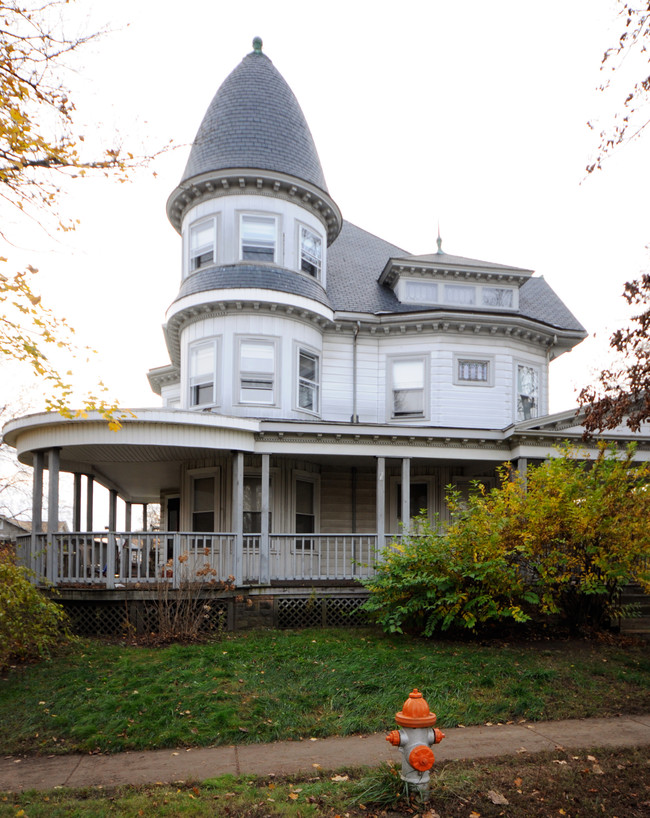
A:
{"x": 415, "y": 740}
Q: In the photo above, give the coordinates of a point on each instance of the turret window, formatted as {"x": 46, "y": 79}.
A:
{"x": 257, "y": 371}
{"x": 203, "y": 244}
{"x": 258, "y": 237}
{"x": 311, "y": 251}
{"x": 203, "y": 358}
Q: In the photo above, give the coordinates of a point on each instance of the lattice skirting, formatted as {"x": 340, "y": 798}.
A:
{"x": 319, "y": 612}
{"x": 105, "y": 618}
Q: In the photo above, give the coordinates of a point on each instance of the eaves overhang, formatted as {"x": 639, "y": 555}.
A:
{"x": 471, "y": 322}
{"x": 454, "y": 268}
{"x": 224, "y": 302}
{"x": 246, "y": 181}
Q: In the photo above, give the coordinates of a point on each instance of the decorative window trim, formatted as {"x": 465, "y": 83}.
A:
{"x": 535, "y": 410}
{"x": 300, "y": 382}
{"x": 253, "y": 380}
{"x": 195, "y": 382}
{"x": 190, "y": 267}
{"x": 268, "y": 217}
{"x": 391, "y": 360}
{"x": 459, "y": 358}
{"x": 306, "y": 259}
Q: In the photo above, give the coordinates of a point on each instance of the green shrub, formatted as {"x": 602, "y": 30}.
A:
{"x": 563, "y": 540}
{"x": 431, "y": 581}
{"x": 30, "y": 624}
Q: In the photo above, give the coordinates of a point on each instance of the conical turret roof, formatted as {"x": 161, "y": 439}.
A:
{"x": 254, "y": 121}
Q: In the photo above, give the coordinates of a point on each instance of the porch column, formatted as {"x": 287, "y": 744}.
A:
{"x": 238, "y": 514}
{"x": 406, "y": 494}
{"x": 76, "y": 503}
{"x": 127, "y": 516}
{"x": 381, "y": 503}
{"x": 144, "y": 516}
{"x": 265, "y": 572}
{"x": 33, "y": 561}
{"x": 112, "y": 510}
{"x": 52, "y": 513}
{"x": 90, "y": 484}
{"x": 521, "y": 466}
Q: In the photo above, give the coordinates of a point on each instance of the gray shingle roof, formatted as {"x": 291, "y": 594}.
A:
{"x": 255, "y": 121}
{"x": 356, "y": 259}
{"x": 251, "y": 276}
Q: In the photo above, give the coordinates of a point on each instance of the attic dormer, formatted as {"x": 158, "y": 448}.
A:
{"x": 454, "y": 282}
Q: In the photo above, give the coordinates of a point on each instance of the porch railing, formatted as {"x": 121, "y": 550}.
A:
{"x": 120, "y": 559}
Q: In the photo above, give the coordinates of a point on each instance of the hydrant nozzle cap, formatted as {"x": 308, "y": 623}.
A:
{"x": 415, "y": 712}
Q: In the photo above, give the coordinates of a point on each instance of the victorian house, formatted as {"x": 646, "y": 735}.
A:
{"x": 324, "y": 385}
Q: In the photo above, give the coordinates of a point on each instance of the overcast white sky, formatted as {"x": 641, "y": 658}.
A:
{"x": 472, "y": 114}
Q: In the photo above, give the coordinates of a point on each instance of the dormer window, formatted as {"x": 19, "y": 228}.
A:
{"x": 311, "y": 250}
{"x": 460, "y": 294}
{"x": 497, "y": 297}
{"x": 258, "y": 237}
{"x": 203, "y": 244}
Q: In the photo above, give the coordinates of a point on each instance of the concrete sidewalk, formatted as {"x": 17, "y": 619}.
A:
{"x": 283, "y": 757}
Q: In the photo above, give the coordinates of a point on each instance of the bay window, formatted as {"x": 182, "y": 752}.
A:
{"x": 308, "y": 381}
{"x": 527, "y": 387}
{"x": 202, "y": 367}
{"x": 203, "y": 244}
{"x": 311, "y": 248}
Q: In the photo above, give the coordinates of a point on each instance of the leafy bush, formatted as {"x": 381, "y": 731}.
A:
{"x": 562, "y": 540}
{"x": 30, "y": 624}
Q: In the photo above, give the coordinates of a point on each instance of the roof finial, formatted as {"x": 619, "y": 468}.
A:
{"x": 257, "y": 45}
{"x": 439, "y": 240}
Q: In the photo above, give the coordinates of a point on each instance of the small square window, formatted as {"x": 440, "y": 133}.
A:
{"x": 460, "y": 294}
{"x": 497, "y": 297}
{"x": 258, "y": 238}
{"x": 472, "y": 371}
{"x": 311, "y": 249}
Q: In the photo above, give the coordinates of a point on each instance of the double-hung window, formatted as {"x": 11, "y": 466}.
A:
{"x": 305, "y": 499}
{"x": 311, "y": 252}
{"x": 203, "y": 244}
{"x": 203, "y": 365}
{"x": 527, "y": 392}
{"x": 258, "y": 237}
{"x": 308, "y": 381}
{"x": 408, "y": 387}
{"x": 256, "y": 371}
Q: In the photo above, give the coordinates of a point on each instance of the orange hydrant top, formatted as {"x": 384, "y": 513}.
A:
{"x": 415, "y": 712}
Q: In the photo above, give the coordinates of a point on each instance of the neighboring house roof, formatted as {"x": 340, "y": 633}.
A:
{"x": 255, "y": 121}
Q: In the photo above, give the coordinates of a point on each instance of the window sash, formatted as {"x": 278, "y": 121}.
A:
{"x": 258, "y": 238}
{"x": 202, "y": 244}
{"x": 497, "y": 297}
{"x": 460, "y": 294}
{"x": 202, "y": 366}
{"x": 408, "y": 381}
{"x": 311, "y": 248}
{"x": 308, "y": 381}
{"x": 527, "y": 392}
{"x": 256, "y": 371}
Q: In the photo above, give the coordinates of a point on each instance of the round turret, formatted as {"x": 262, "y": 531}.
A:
{"x": 254, "y": 139}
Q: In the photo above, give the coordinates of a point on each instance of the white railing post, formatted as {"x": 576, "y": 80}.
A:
{"x": 176, "y": 565}
{"x": 265, "y": 574}
{"x": 110, "y": 560}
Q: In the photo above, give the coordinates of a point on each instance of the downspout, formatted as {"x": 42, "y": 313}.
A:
{"x": 355, "y": 416}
